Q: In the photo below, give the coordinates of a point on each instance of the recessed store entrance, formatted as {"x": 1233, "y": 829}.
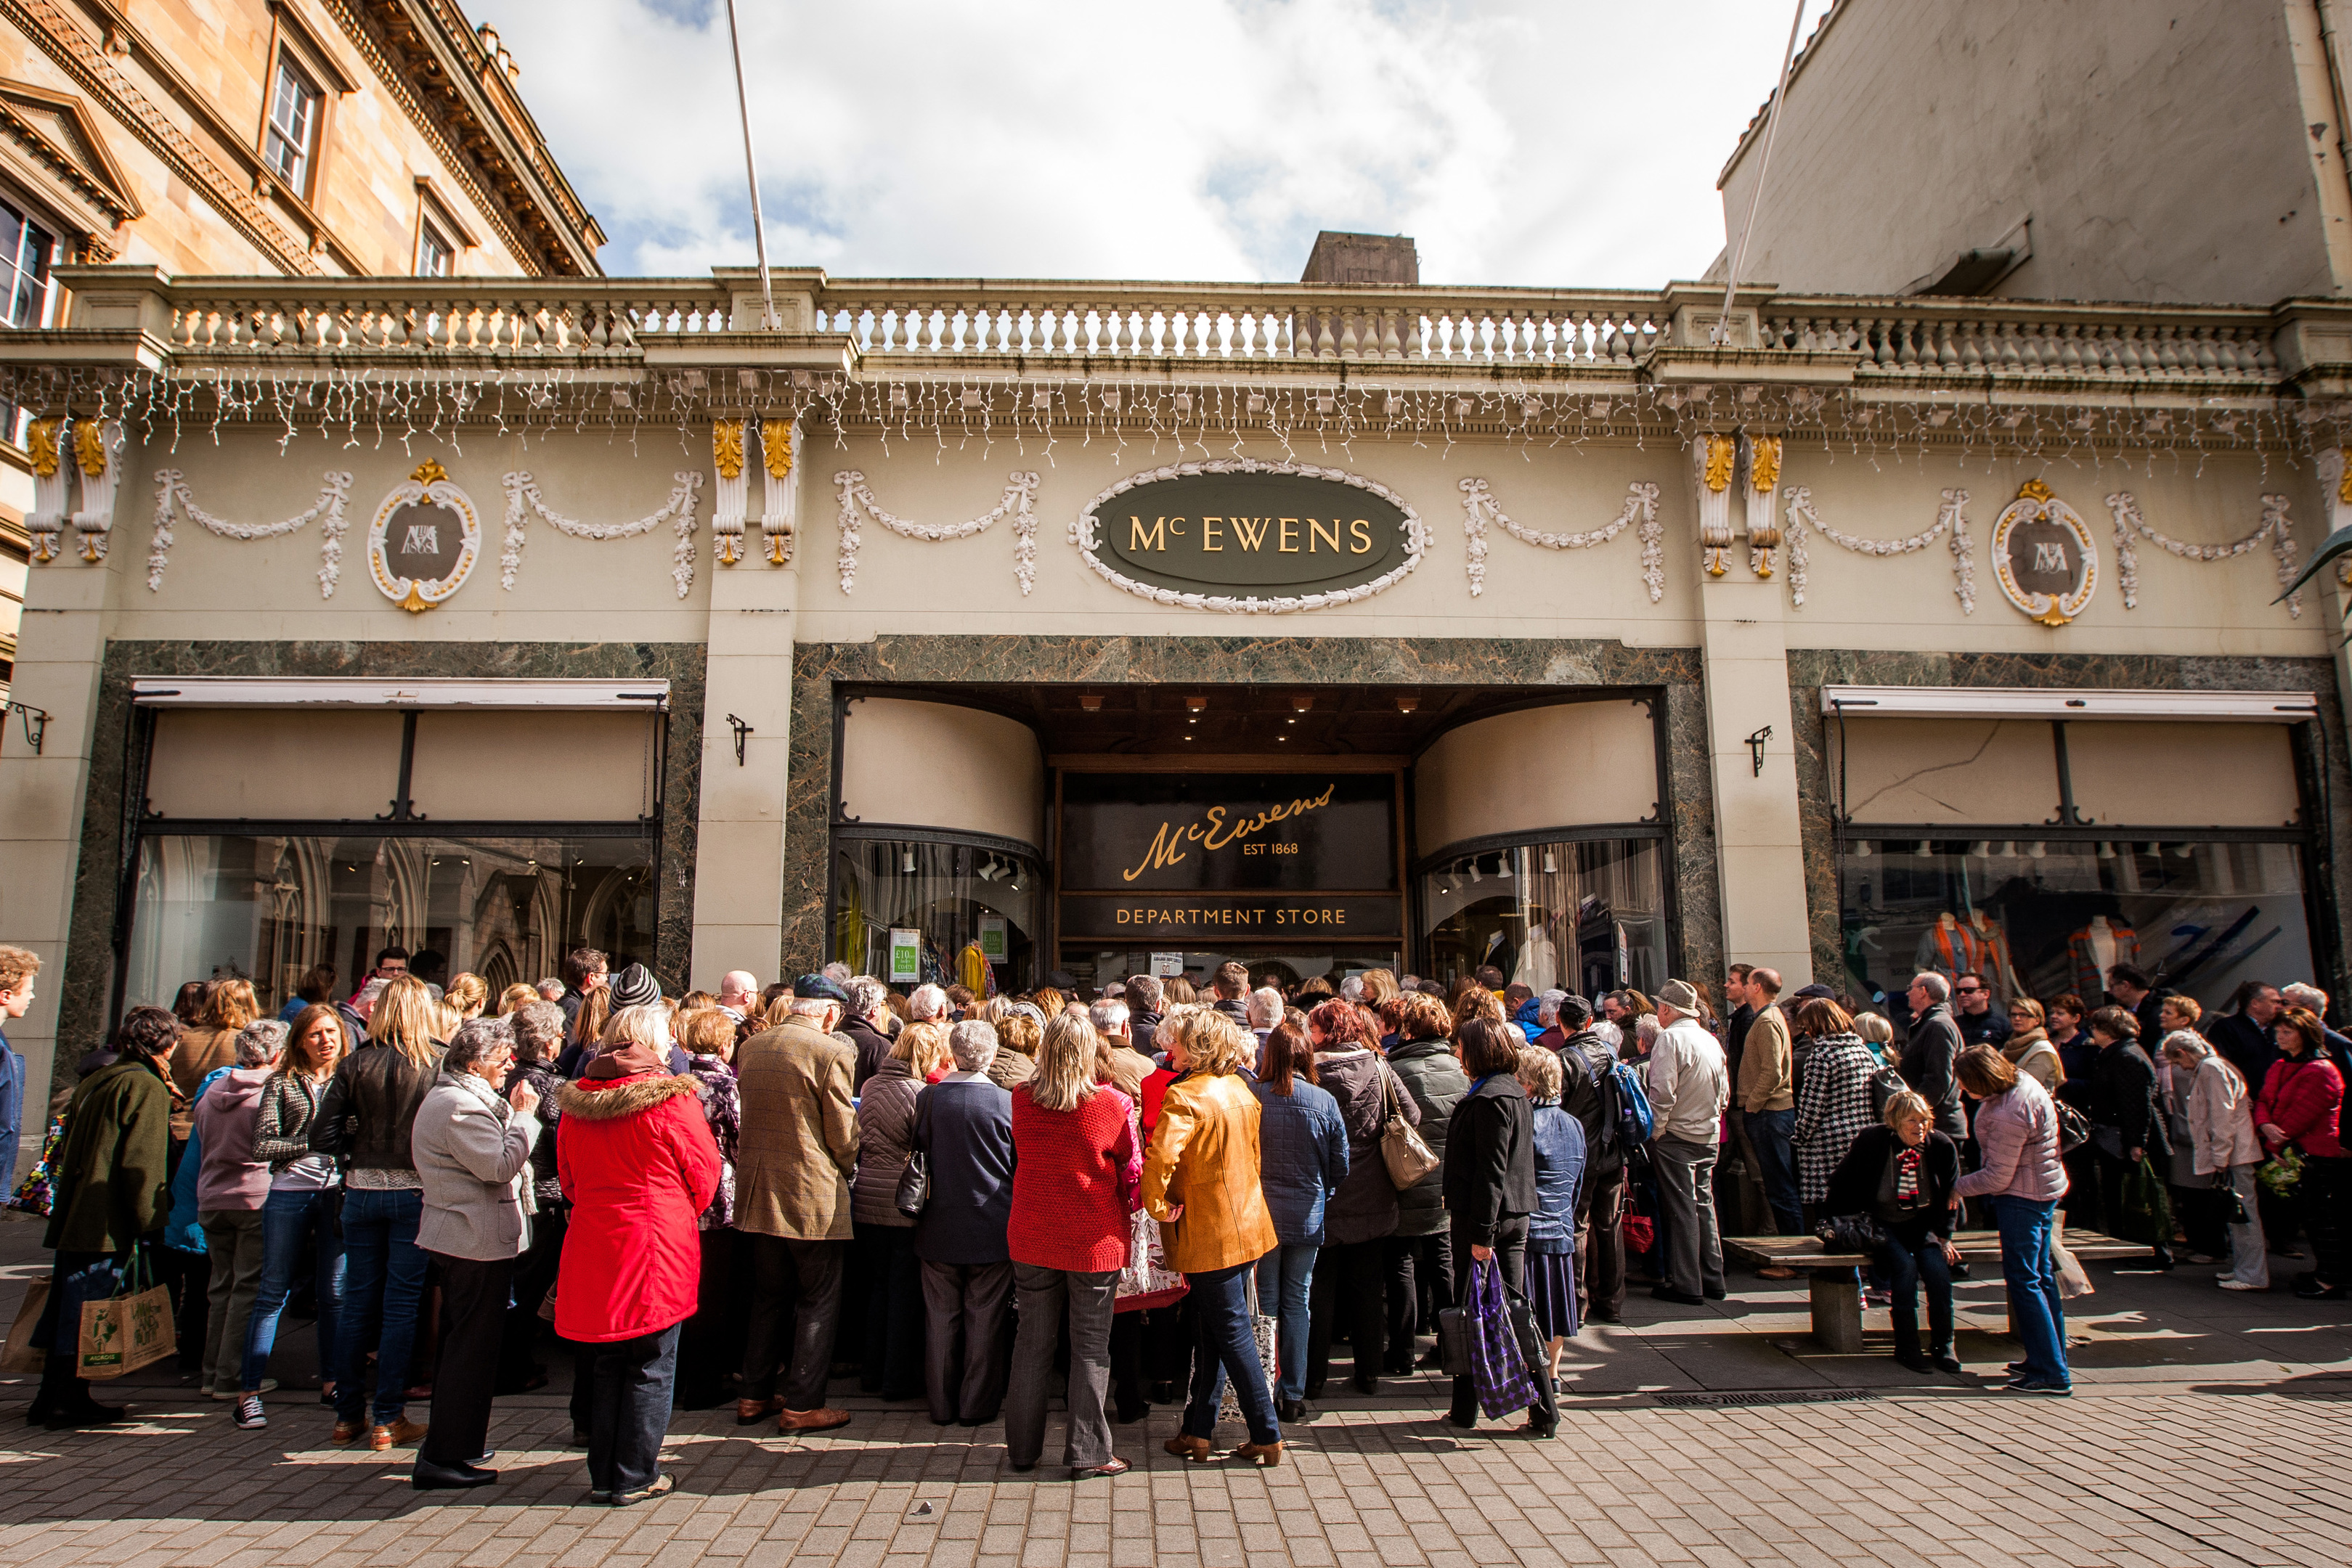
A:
{"x": 991, "y": 835}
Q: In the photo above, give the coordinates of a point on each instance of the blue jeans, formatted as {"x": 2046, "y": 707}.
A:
{"x": 381, "y": 1294}
{"x": 1226, "y": 1346}
{"x": 1770, "y": 1134}
{"x": 2034, "y": 1314}
{"x": 630, "y": 1384}
{"x": 1284, "y": 1276}
{"x": 287, "y": 1220}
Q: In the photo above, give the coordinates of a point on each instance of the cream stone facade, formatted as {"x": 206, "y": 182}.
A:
{"x": 836, "y": 609}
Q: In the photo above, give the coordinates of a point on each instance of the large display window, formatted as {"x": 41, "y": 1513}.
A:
{"x": 269, "y": 907}
{"x": 1587, "y": 916}
{"x": 972, "y": 903}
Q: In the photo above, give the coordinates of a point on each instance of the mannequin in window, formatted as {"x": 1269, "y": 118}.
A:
{"x": 2001, "y": 974}
{"x": 1538, "y": 966}
{"x": 1949, "y": 947}
{"x": 2096, "y": 949}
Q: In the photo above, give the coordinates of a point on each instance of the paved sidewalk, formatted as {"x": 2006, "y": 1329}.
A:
{"x": 2208, "y": 1429}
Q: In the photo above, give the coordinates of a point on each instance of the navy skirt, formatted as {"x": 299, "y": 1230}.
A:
{"x": 1551, "y": 1293}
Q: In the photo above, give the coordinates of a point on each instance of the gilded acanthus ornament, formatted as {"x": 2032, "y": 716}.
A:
{"x": 776, "y": 447}
{"x": 90, "y": 447}
{"x": 727, "y": 447}
{"x": 41, "y": 441}
{"x": 1715, "y": 456}
{"x": 429, "y": 473}
{"x": 1720, "y": 451}
{"x": 1764, "y": 468}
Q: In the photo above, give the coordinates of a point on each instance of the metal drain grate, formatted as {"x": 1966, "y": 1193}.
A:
{"x": 1770, "y": 1397}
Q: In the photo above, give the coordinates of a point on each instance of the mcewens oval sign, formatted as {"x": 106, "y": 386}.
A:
{"x": 1249, "y": 537}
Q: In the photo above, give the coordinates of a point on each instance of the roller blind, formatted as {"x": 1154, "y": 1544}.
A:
{"x": 1947, "y": 770}
{"x": 2184, "y": 775}
{"x": 533, "y": 765}
{"x": 331, "y": 764}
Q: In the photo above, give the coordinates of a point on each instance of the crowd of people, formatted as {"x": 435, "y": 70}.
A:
{"x": 1138, "y": 1194}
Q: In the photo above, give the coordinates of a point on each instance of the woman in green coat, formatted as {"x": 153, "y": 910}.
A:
{"x": 112, "y": 1191}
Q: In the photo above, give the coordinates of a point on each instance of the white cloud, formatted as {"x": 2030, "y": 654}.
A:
{"x": 1563, "y": 144}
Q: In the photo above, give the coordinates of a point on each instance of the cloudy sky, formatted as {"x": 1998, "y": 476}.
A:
{"x": 1574, "y": 143}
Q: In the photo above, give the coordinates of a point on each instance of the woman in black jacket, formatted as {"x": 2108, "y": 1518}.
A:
{"x": 2126, "y": 1124}
{"x": 1490, "y": 1191}
{"x": 1901, "y": 1175}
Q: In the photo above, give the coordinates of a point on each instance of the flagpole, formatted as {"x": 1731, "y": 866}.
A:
{"x": 1722, "y": 333}
{"x": 751, "y": 168}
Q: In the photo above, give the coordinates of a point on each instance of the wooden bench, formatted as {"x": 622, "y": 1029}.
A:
{"x": 1835, "y": 1291}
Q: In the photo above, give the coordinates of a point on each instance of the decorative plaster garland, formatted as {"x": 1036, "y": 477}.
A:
{"x": 2274, "y": 527}
{"x": 1479, "y": 507}
{"x": 1951, "y": 516}
{"x": 172, "y": 500}
{"x": 1081, "y": 534}
{"x": 1020, "y": 500}
{"x": 522, "y": 491}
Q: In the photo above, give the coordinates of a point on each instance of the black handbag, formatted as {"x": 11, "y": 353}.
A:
{"x": 1884, "y": 1085}
{"x": 1851, "y": 1233}
{"x": 914, "y": 1187}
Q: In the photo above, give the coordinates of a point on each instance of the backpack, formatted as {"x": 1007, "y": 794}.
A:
{"x": 1634, "y": 1118}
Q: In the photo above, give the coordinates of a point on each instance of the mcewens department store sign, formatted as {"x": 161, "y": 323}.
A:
{"x": 1265, "y": 858}
{"x": 1255, "y": 538}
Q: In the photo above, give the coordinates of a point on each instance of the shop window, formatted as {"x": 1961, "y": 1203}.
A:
{"x": 2039, "y": 918}
{"x": 269, "y": 906}
{"x": 973, "y": 907}
{"x": 1585, "y": 915}
{"x": 287, "y": 146}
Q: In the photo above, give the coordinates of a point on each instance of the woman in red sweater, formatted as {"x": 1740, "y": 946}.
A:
{"x": 2301, "y": 1107}
{"x": 1076, "y": 1177}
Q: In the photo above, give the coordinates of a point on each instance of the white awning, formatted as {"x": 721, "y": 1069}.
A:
{"x": 2081, "y": 703}
{"x": 336, "y": 691}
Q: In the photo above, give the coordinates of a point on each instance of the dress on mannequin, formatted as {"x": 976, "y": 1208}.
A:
{"x": 2096, "y": 950}
{"x": 1997, "y": 970}
{"x": 1949, "y": 947}
{"x": 1538, "y": 966}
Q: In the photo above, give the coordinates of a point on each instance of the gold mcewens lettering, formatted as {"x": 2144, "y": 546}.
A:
{"x": 1287, "y": 527}
{"x": 1361, "y": 532}
{"x": 1251, "y": 531}
{"x": 1315, "y": 531}
{"x": 1211, "y": 832}
{"x": 1137, "y": 539}
{"x": 1209, "y": 534}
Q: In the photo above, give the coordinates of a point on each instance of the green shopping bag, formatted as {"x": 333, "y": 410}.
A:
{"x": 2143, "y": 1205}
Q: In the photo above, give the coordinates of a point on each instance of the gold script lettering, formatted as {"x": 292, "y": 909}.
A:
{"x": 1213, "y": 831}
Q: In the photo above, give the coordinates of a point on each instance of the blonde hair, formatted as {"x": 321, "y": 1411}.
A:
{"x": 1904, "y": 1105}
{"x": 706, "y": 1032}
{"x": 1066, "y": 1064}
{"x": 231, "y": 1005}
{"x": 2187, "y": 1007}
{"x": 517, "y": 996}
{"x": 1019, "y": 1031}
{"x": 467, "y": 993}
{"x": 923, "y": 1047}
{"x": 404, "y": 1017}
{"x": 1539, "y": 1070}
{"x": 646, "y": 1025}
{"x": 452, "y": 1020}
{"x": 1874, "y": 1028}
{"x": 1216, "y": 1045}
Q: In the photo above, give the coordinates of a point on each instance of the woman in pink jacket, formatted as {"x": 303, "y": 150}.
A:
{"x": 639, "y": 1164}
{"x": 2021, "y": 1180}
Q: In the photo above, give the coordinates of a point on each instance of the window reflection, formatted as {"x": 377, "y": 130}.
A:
{"x": 976, "y": 908}
{"x": 267, "y": 907}
{"x": 1585, "y": 916}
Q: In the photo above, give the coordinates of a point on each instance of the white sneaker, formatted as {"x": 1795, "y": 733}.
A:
{"x": 249, "y": 1413}
{"x": 2234, "y": 1284}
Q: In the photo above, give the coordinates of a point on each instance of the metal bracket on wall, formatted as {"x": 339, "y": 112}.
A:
{"x": 1756, "y": 749}
{"x": 36, "y": 722}
{"x": 742, "y": 731}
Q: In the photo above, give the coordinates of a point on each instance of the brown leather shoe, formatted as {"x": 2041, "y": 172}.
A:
{"x": 1267, "y": 1455}
{"x": 403, "y": 1433}
{"x": 1195, "y": 1449}
{"x": 823, "y": 1420}
{"x": 347, "y": 1433}
{"x": 748, "y": 1412}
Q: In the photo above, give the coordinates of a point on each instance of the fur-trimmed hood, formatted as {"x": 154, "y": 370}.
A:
{"x": 611, "y": 1099}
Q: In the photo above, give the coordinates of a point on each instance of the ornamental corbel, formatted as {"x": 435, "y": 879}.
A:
{"x": 780, "y": 445}
{"x": 731, "y": 494}
{"x": 1713, "y": 458}
{"x": 52, "y": 483}
{"x": 1762, "y": 463}
{"x": 98, "y": 445}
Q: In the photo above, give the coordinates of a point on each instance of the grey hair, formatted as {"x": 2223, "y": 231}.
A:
{"x": 2302, "y": 994}
{"x": 549, "y": 989}
{"x": 866, "y": 994}
{"x": 1548, "y": 1006}
{"x": 1108, "y": 1014}
{"x": 259, "y": 1042}
{"x": 972, "y": 1044}
{"x": 474, "y": 1041}
{"x": 2187, "y": 1041}
{"x": 1353, "y": 987}
{"x": 537, "y": 1030}
{"x": 1939, "y": 988}
{"x": 837, "y": 972}
{"x": 1265, "y": 1008}
{"x": 928, "y": 1002}
{"x": 812, "y": 1007}
{"x": 1646, "y": 1029}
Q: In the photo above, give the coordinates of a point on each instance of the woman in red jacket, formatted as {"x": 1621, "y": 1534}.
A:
{"x": 1076, "y": 1177}
{"x": 2300, "y": 1107}
{"x": 639, "y": 1165}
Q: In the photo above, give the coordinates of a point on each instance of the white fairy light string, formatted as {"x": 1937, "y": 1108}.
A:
{"x": 1479, "y": 507}
{"x": 172, "y": 500}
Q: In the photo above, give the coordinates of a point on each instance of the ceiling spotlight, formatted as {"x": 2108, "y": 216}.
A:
{"x": 2008, "y": 848}
{"x": 1015, "y": 884}
{"x": 1925, "y": 848}
{"x": 907, "y": 861}
{"x": 1301, "y": 705}
{"x": 1091, "y": 702}
{"x": 2184, "y": 852}
{"x": 1198, "y": 705}
{"x": 1864, "y": 849}
{"x": 2107, "y": 850}
{"x": 2152, "y": 848}
{"x": 1551, "y": 866}
{"x": 1503, "y": 867}
{"x": 1981, "y": 849}
{"x": 1475, "y": 874}
{"x": 1406, "y": 704}
{"x": 2037, "y": 850}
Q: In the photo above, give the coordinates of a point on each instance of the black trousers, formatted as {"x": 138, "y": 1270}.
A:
{"x": 1601, "y": 1246}
{"x": 1511, "y": 1253}
{"x": 1420, "y": 1285}
{"x": 473, "y": 1330}
{"x": 710, "y": 1342}
{"x": 888, "y": 1319}
{"x": 534, "y": 1276}
{"x": 2112, "y": 1170}
{"x": 795, "y": 1307}
{"x": 2325, "y": 1192}
{"x": 1350, "y": 1280}
{"x": 967, "y": 1340}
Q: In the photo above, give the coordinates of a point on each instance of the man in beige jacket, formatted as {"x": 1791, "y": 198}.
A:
{"x": 798, "y": 1151}
{"x": 1768, "y": 1098}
